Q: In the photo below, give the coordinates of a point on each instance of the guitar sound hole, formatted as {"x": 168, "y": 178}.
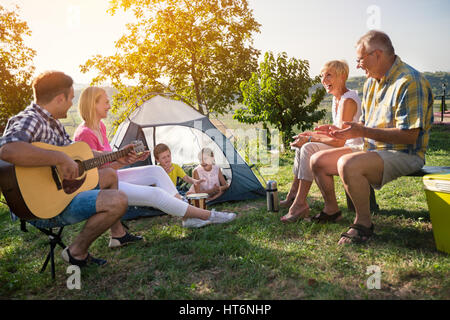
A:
{"x": 70, "y": 186}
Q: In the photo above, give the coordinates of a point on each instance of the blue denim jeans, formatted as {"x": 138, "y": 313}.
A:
{"x": 82, "y": 207}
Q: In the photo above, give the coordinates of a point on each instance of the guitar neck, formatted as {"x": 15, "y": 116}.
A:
{"x": 101, "y": 160}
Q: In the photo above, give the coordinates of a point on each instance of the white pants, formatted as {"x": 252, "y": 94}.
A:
{"x": 302, "y": 167}
{"x": 136, "y": 184}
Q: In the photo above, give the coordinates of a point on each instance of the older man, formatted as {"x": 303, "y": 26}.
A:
{"x": 397, "y": 113}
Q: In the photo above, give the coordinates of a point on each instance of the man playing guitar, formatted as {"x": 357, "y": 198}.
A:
{"x": 53, "y": 93}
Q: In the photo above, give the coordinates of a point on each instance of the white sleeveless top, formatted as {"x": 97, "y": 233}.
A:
{"x": 336, "y": 111}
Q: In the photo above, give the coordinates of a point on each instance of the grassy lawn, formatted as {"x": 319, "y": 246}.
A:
{"x": 254, "y": 257}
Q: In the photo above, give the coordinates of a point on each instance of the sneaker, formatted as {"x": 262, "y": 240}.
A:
{"x": 126, "y": 239}
{"x": 195, "y": 223}
{"x": 221, "y": 217}
{"x": 67, "y": 257}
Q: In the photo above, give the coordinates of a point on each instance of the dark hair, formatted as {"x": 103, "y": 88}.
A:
{"x": 49, "y": 84}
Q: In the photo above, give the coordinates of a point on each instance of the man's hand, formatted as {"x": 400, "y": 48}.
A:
{"x": 353, "y": 130}
{"x": 67, "y": 167}
{"x": 326, "y": 129}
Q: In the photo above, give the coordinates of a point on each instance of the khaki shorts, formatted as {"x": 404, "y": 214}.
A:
{"x": 397, "y": 164}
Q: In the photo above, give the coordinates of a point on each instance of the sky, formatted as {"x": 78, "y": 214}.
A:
{"x": 66, "y": 33}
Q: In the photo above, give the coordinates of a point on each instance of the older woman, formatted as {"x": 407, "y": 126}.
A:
{"x": 93, "y": 106}
{"x": 346, "y": 107}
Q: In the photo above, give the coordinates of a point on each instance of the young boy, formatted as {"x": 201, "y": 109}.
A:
{"x": 164, "y": 157}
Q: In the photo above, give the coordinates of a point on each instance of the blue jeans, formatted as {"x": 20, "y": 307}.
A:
{"x": 82, "y": 207}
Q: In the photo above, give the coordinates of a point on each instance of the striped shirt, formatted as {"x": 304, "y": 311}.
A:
{"x": 401, "y": 99}
{"x": 35, "y": 124}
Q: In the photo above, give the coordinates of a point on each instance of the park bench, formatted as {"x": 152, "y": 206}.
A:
{"x": 422, "y": 172}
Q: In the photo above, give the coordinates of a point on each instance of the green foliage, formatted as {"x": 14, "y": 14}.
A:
{"x": 16, "y": 67}
{"x": 437, "y": 79}
{"x": 279, "y": 94}
{"x": 201, "y": 48}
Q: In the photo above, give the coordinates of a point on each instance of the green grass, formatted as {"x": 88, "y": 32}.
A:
{"x": 254, "y": 257}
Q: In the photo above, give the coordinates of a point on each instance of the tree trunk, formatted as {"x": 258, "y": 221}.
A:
{"x": 196, "y": 85}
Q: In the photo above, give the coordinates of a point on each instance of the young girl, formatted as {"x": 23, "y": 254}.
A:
{"x": 135, "y": 182}
{"x": 214, "y": 183}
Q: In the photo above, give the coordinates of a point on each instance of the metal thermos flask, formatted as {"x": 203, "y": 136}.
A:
{"x": 272, "y": 196}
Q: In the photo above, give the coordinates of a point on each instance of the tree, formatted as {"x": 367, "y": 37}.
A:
{"x": 201, "y": 48}
{"x": 16, "y": 70}
{"x": 279, "y": 94}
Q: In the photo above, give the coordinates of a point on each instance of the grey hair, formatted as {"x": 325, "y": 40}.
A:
{"x": 374, "y": 40}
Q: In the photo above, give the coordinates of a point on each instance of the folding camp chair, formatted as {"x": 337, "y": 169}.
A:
{"x": 54, "y": 239}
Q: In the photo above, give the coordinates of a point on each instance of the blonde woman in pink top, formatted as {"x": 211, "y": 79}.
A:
{"x": 93, "y": 106}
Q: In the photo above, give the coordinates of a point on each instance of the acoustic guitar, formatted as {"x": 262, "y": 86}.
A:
{"x": 41, "y": 192}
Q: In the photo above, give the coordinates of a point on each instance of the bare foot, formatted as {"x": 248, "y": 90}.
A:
{"x": 346, "y": 240}
{"x": 287, "y": 202}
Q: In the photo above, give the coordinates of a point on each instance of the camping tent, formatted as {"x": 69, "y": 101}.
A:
{"x": 186, "y": 132}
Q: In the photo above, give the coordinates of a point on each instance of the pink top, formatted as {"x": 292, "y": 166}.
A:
{"x": 211, "y": 178}
{"x": 83, "y": 133}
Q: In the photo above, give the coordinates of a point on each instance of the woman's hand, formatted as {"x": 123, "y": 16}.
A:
{"x": 326, "y": 129}
{"x": 132, "y": 156}
{"x": 299, "y": 141}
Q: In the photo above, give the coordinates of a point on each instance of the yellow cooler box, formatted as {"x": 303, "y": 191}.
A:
{"x": 437, "y": 190}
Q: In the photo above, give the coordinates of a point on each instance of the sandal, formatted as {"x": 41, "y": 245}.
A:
{"x": 289, "y": 219}
{"x": 363, "y": 234}
{"x": 322, "y": 217}
{"x": 292, "y": 218}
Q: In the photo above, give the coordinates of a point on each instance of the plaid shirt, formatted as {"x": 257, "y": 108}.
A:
{"x": 35, "y": 124}
{"x": 401, "y": 99}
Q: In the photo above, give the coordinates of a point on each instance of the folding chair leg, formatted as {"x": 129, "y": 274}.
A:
{"x": 54, "y": 240}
